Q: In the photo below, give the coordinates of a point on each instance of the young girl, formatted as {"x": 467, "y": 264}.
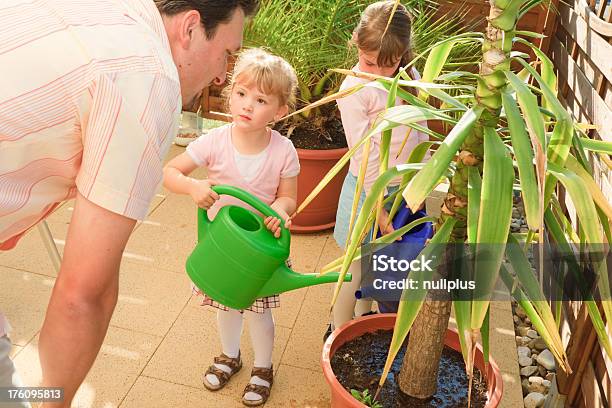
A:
{"x": 380, "y": 55}
{"x": 250, "y": 155}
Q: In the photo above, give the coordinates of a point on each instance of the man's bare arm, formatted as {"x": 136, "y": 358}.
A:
{"x": 84, "y": 295}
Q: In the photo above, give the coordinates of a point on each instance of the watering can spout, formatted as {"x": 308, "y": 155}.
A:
{"x": 285, "y": 279}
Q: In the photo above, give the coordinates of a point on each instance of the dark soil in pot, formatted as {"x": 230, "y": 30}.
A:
{"x": 359, "y": 363}
{"x": 322, "y": 130}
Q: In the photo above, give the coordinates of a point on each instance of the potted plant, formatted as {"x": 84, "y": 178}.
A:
{"x": 534, "y": 144}
{"x": 340, "y": 397}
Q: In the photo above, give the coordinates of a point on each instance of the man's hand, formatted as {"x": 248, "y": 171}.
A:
{"x": 202, "y": 193}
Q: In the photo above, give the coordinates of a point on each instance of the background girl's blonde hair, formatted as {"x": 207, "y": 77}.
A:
{"x": 271, "y": 74}
{"x": 396, "y": 43}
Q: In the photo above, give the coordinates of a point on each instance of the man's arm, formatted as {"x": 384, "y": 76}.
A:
{"x": 95, "y": 242}
{"x": 84, "y": 295}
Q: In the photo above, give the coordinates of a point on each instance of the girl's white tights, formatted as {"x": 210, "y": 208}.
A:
{"x": 347, "y": 305}
{"x": 261, "y": 328}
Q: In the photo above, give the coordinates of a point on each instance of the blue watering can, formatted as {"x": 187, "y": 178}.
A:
{"x": 407, "y": 248}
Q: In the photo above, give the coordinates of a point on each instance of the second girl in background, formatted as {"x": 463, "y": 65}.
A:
{"x": 381, "y": 55}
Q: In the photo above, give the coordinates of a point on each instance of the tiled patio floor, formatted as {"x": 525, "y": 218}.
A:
{"x": 160, "y": 340}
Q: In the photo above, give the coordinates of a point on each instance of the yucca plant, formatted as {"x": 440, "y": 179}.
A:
{"x": 313, "y": 35}
{"x": 509, "y": 132}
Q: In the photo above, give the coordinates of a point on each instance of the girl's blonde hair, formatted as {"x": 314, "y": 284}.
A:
{"x": 396, "y": 43}
{"x": 271, "y": 74}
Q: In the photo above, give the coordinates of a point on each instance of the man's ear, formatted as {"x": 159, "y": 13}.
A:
{"x": 281, "y": 112}
{"x": 190, "y": 24}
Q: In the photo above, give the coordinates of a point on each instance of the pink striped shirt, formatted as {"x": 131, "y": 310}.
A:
{"x": 89, "y": 102}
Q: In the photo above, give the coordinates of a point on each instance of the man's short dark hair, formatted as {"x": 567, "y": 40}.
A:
{"x": 212, "y": 12}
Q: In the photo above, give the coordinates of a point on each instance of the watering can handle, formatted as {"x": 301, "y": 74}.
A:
{"x": 254, "y": 202}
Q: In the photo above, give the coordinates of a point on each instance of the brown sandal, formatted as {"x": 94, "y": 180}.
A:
{"x": 266, "y": 374}
{"x": 235, "y": 364}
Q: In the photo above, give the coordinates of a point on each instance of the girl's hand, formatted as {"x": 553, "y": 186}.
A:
{"x": 382, "y": 224}
{"x": 202, "y": 193}
{"x": 274, "y": 223}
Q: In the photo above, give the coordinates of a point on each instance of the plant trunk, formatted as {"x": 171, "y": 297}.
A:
{"x": 418, "y": 376}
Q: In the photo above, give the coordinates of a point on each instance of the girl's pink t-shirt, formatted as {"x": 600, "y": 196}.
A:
{"x": 215, "y": 151}
{"x": 358, "y": 111}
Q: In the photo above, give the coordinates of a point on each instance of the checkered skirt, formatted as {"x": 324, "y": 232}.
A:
{"x": 259, "y": 306}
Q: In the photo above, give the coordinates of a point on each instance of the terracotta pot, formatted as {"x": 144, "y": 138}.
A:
{"x": 438, "y": 126}
{"x": 340, "y": 398}
{"x": 320, "y": 214}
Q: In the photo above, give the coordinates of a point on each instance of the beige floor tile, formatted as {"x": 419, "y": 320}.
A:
{"x": 297, "y": 387}
{"x": 503, "y": 351}
{"x": 157, "y": 200}
{"x": 192, "y": 343}
{"x": 291, "y": 303}
{"x": 324, "y": 293}
{"x": 306, "y": 341}
{"x": 176, "y": 210}
{"x": 173, "y": 152}
{"x": 331, "y": 251}
{"x": 195, "y": 301}
{"x": 150, "y": 299}
{"x": 306, "y": 251}
{"x": 153, "y": 393}
{"x": 63, "y": 214}
{"x": 23, "y": 299}
{"x": 502, "y": 305}
{"x": 321, "y": 293}
{"x": 121, "y": 359}
{"x": 161, "y": 245}
{"x": 30, "y": 253}
{"x": 15, "y": 350}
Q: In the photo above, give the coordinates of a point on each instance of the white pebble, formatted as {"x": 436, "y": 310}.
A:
{"x": 534, "y": 400}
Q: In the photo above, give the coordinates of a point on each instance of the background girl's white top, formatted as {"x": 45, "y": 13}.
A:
{"x": 358, "y": 112}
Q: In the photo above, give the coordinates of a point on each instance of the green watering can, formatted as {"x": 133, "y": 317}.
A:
{"x": 237, "y": 259}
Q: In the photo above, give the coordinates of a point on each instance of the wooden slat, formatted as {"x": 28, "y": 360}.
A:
{"x": 602, "y": 8}
{"x": 580, "y": 327}
{"x": 591, "y": 103}
{"x": 581, "y": 370}
{"x": 594, "y": 106}
{"x": 218, "y": 116}
{"x": 608, "y": 94}
{"x": 215, "y": 109}
{"x": 595, "y": 22}
{"x": 589, "y": 41}
{"x": 603, "y": 375}
{"x": 590, "y": 389}
{"x": 547, "y": 21}
{"x": 217, "y": 104}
